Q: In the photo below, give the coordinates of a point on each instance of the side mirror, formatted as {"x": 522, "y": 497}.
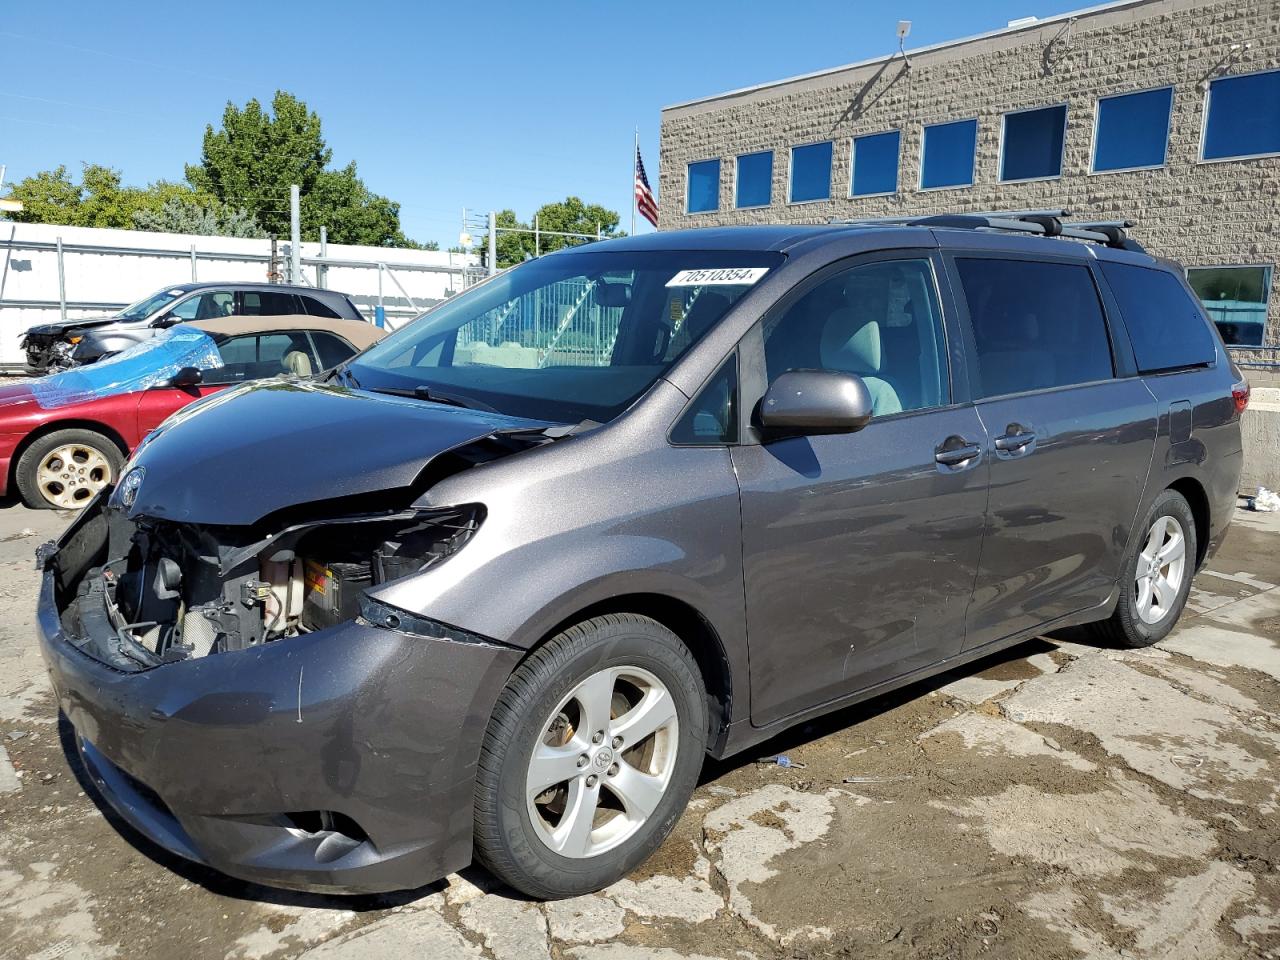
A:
{"x": 187, "y": 377}
{"x": 168, "y": 320}
{"x": 808, "y": 402}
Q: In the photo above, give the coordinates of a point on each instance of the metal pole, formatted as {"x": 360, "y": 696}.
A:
{"x": 597, "y": 229}
{"x": 493, "y": 243}
{"x": 536, "y": 237}
{"x": 193, "y": 263}
{"x": 62, "y": 283}
{"x": 295, "y": 234}
{"x": 635, "y": 169}
{"x": 322, "y": 272}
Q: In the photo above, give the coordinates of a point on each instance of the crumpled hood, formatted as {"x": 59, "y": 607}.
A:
{"x": 60, "y": 329}
{"x": 235, "y": 457}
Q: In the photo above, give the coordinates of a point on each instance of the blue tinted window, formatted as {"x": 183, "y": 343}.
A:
{"x": 1032, "y": 144}
{"x": 875, "y": 163}
{"x": 811, "y": 172}
{"x": 704, "y": 186}
{"x": 1133, "y": 130}
{"x": 948, "y": 154}
{"x": 1244, "y": 116}
{"x": 755, "y": 180}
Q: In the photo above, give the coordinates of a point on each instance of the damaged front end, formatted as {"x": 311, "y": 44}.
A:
{"x": 136, "y": 593}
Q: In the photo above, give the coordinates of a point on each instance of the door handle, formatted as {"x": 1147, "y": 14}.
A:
{"x": 954, "y": 456}
{"x": 1015, "y": 442}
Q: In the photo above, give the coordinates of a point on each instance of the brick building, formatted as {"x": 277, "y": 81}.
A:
{"x": 1163, "y": 111}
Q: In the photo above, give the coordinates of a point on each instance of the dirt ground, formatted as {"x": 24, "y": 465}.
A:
{"x": 1060, "y": 800}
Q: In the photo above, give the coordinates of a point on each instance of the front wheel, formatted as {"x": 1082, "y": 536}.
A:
{"x": 1156, "y": 578}
{"x": 63, "y": 470}
{"x": 591, "y": 755}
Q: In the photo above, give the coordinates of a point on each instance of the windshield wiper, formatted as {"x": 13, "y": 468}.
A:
{"x": 431, "y": 395}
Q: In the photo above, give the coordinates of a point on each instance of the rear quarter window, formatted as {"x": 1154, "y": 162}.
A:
{"x": 318, "y": 308}
{"x": 1165, "y": 324}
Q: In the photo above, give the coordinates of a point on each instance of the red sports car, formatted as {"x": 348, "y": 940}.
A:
{"x": 64, "y": 437}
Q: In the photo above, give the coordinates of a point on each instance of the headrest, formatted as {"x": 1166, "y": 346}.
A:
{"x": 298, "y": 363}
{"x": 850, "y": 344}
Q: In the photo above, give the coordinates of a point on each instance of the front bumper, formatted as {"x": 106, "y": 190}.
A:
{"x": 225, "y": 760}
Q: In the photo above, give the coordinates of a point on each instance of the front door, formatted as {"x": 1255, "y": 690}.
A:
{"x": 860, "y": 550}
{"x": 1070, "y": 441}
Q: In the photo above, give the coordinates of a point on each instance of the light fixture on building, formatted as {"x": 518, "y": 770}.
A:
{"x": 1234, "y": 53}
{"x": 904, "y": 28}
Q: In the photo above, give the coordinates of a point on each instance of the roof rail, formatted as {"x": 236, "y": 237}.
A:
{"x": 1047, "y": 223}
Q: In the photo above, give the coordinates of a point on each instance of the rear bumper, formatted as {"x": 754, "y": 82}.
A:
{"x": 227, "y": 760}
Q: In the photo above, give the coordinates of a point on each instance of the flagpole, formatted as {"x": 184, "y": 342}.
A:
{"x": 635, "y": 154}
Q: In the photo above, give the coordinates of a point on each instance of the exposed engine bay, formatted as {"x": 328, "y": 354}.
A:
{"x": 148, "y": 591}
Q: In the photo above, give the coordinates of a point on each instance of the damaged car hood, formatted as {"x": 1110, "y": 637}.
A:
{"x": 239, "y": 456}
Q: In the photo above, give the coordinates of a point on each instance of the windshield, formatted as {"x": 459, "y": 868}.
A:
{"x": 144, "y": 365}
{"x": 145, "y": 308}
{"x": 571, "y": 337}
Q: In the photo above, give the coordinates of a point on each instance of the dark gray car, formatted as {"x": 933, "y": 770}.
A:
{"x": 54, "y": 346}
{"x": 533, "y": 557}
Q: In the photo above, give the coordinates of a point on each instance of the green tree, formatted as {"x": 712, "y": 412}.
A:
{"x": 98, "y": 200}
{"x": 571, "y": 215}
{"x": 257, "y": 154}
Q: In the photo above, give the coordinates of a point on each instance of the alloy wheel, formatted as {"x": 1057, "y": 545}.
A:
{"x": 1160, "y": 568}
{"x": 71, "y": 474}
{"x": 602, "y": 762}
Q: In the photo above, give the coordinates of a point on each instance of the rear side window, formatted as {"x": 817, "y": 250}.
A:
{"x": 1164, "y": 323}
{"x": 268, "y": 303}
{"x": 1036, "y": 324}
{"x": 318, "y": 308}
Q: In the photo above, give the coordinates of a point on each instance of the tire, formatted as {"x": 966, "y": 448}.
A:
{"x": 1144, "y": 616}
{"x": 64, "y": 469}
{"x": 551, "y": 700}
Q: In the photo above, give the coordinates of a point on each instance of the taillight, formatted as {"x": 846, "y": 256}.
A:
{"x": 1240, "y": 394}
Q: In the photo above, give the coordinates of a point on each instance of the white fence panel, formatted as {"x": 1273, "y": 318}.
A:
{"x": 103, "y": 270}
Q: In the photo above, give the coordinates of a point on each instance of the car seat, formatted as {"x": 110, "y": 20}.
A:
{"x": 297, "y": 359}
{"x": 852, "y": 345}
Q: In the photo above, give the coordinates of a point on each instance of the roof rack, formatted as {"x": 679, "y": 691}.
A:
{"x": 1047, "y": 223}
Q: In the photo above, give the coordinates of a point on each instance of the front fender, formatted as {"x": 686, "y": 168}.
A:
{"x": 571, "y": 527}
{"x": 92, "y": 347}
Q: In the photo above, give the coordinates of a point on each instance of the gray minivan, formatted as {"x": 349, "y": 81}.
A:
{"x": 522, "y": 565}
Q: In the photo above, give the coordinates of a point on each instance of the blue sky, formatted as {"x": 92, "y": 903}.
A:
{"x": 484, "y": 105}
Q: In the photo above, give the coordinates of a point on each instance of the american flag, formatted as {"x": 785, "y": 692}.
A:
{"x": 645, "y": 203}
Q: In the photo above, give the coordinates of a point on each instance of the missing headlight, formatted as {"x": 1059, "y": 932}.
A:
{"x": 161, "y": 591}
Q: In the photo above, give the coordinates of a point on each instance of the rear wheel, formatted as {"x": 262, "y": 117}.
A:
{"x": 63, "y": 470}
{"x": 590, "y": 757}
{"x": 1156, "y": 578}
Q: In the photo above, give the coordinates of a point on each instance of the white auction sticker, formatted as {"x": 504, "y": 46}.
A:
{"x": 718, "y": 276}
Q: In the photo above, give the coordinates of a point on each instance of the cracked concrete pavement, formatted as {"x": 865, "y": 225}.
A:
{"x": 1059, "y": 800}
